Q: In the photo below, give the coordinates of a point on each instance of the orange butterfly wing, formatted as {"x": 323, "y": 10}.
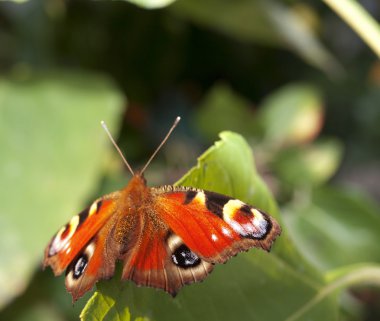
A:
{"x": 214, "y": 226}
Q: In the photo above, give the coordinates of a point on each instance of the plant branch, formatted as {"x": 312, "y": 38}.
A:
{"x": 359, "y": 20}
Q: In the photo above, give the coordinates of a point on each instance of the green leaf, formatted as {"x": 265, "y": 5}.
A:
{"x": 339, "y": 279}
{"x": 39, "y": 312}
{"x": 265, "y": 22}
{"x": 309, "y": 165}
{"x": 291, "y": 115}
{"x": 354, "y": 274}
{"x": 254, "y": 285}
{"x": 53, "y": 149}
{"x": 223, "y": 108}
{"x": 335, "y": 226}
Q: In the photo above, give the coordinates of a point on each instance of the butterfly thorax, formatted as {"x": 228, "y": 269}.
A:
{"x": 136, "y": 212}
{"x": 135, "y": 193}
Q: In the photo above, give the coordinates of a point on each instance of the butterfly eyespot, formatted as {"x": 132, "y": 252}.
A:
{"x": 80, "y": 266}
{"x": 246, "y": 220}
{"x": 185, "y": 258}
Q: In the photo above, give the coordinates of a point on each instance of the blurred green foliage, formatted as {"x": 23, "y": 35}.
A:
{"x": 289, "y": 77}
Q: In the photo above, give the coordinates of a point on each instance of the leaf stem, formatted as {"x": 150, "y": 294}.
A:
{"x": 359, "y": 20}
{"x": 357, "y": 275}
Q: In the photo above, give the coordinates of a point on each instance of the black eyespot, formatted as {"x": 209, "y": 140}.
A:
{"x": 80, "y": 266}
{"x": 184, "y": 258}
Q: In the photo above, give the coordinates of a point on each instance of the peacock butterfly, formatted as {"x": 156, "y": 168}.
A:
{"x": 166, "y": 236}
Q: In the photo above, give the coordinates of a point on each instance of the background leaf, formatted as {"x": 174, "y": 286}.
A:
{"x": 340, "y": 279}
{"x": 50, "y": 136}
{"x": 223, "y": 108}
{"x": 266, "y": 22}
{"x": 309, "y": 165}
{"x": 336, "y": 219}
{"x": 291, "y": 115}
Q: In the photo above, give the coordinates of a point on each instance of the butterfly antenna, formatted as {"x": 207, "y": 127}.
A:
{"x": 117, "y": 147}
{"x": 162, "y": 143}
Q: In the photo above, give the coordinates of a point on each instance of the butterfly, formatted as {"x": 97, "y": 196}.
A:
{"x": 165, "y": 236}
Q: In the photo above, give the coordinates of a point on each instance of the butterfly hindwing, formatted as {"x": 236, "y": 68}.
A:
{"x": 160, "y": 259}
{"x": 95, "y": 261}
